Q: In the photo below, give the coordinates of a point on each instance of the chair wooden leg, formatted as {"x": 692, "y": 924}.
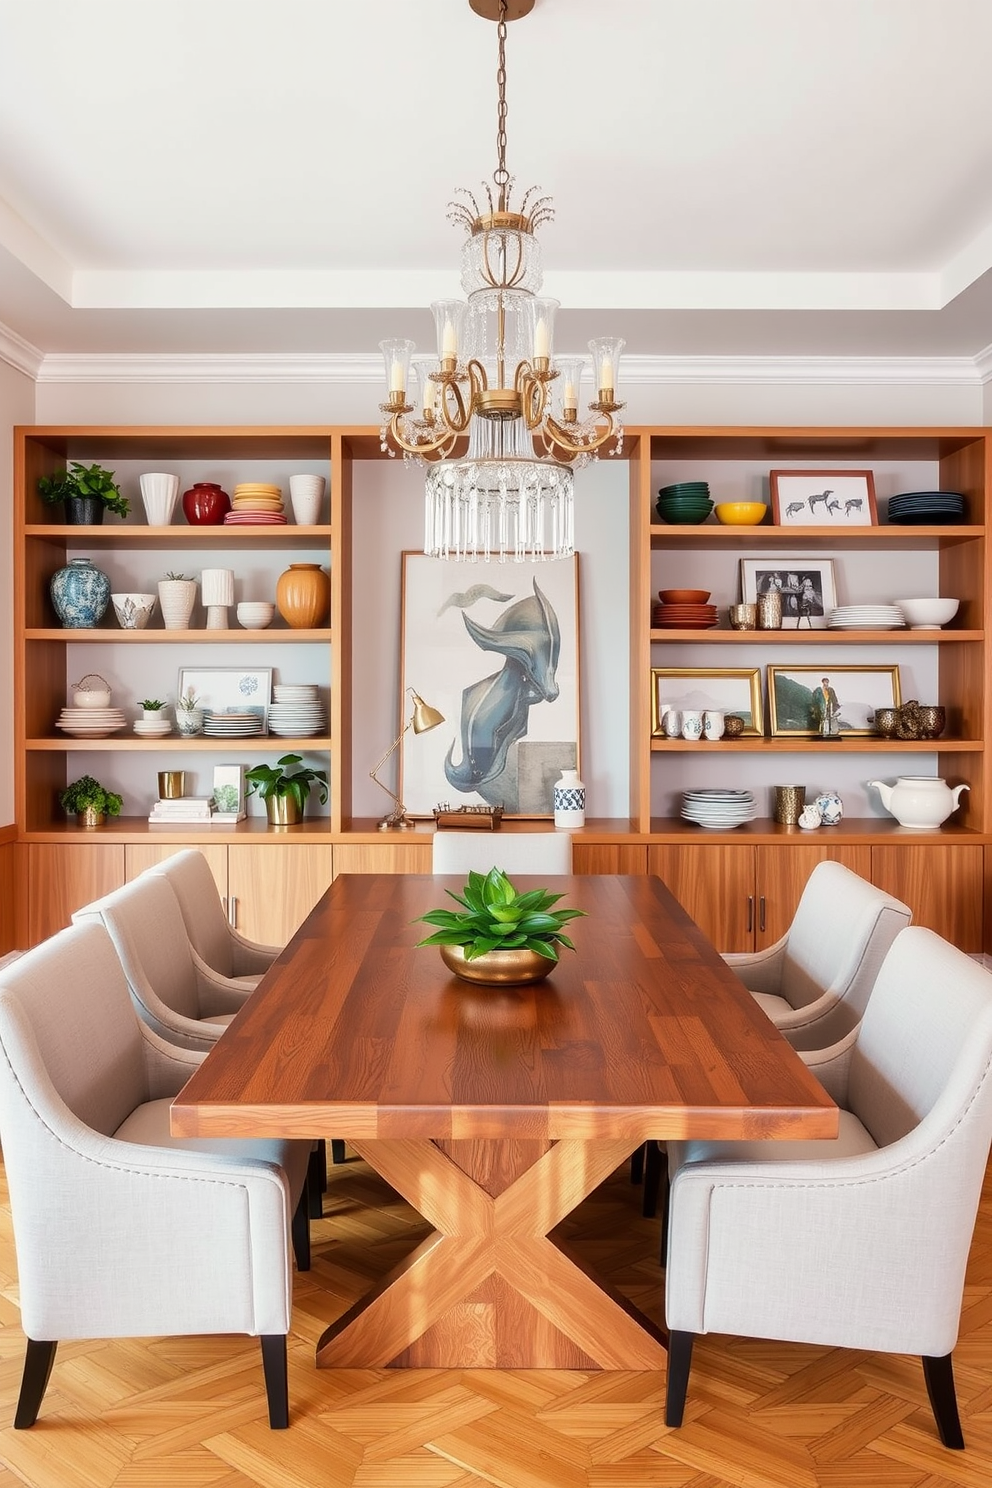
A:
{"x": 679, "y": 1362}
{"x": 38, "y": 1363}
{"x": 637, "y": 1164}
{"x": 276, "y": 1379}
{"x": 317, "y": 1178}
{"x": 939, "y": 1375}
{"x": 301, "y": 1228}
{"x": 337, "y": 1151}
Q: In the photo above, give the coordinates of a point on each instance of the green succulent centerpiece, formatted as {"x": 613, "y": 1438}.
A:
{"x": 500, "y": 936}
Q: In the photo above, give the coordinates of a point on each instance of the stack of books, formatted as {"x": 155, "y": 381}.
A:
{"x": 183, "y": 809}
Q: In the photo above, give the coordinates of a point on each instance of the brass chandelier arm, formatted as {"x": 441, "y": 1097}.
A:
{"x": 439, "y": 447}
{"x": 533, "y": 395}
{"x": 563, "y": 441}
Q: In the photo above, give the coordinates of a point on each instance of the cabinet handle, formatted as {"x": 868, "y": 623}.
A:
{"x": 761, "y": 913}
{"x": 232, "y": 912}
{"x": 750, "y": 913}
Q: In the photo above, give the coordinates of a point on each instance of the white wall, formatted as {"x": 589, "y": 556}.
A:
{"x": 16, "y": 407}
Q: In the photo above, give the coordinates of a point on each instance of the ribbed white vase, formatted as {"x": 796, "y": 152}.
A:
{"x": 177, "y": 598}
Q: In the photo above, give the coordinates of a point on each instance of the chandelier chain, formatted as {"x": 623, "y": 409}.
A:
{"x": 501, "y": 176}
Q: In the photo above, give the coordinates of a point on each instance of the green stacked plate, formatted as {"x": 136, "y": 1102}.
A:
{"x": 685, "y": 503}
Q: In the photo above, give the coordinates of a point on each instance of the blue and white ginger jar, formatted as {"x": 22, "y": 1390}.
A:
{"x": 80, "y": 593}
{"x": 830, "y": 807}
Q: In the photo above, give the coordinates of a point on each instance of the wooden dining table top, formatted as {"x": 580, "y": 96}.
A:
{"x": 642, "y": 1032}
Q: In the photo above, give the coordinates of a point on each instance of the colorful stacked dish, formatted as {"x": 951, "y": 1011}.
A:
{"x": 684, "y": 615}
{"x": 866, "y": 617}
{"x": 720, "y": 810}
{"x": 91, "y": 723}
{"x": 927, "y": 508}
{"x": 234, "y": 725}
{"x": 684, "y": 504}
{"x": 256, "y": 503}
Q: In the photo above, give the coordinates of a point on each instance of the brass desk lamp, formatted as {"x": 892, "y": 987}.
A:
{"x": 422, "y": 720}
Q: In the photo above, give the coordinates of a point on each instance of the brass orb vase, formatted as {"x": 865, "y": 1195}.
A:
{"x": 497, "y": 968}
{"x": 303, "y": 595}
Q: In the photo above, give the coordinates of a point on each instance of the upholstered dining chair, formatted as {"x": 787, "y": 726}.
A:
{"x": 465, "y": 851}
{"x": 216, "y": 945}
{"x": 860, "y": 1242}
{"x": 814, "y": 983}
{"x": 150, "y": 1234}
{"x": 175, "y": 993}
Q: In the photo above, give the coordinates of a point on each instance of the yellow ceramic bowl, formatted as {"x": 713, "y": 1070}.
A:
{"x": 740, "y": 513}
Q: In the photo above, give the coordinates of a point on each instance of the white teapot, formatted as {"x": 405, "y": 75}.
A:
{"x": 919, "y": 801}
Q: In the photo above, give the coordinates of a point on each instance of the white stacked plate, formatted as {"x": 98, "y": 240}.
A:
{"x": 718, "y": 809}
{"x": 232, "y": 725}
{"x": 150, "y": 730}
{"x": 91, "y": 723}
{"x": 866, "y": 617}
{"x": 295, "y": 692}
{"x": 301, "y": 719}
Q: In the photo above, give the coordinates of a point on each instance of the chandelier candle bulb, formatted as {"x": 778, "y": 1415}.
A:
{"x": 542, "y": 342}
{"x": 449, "y": 343}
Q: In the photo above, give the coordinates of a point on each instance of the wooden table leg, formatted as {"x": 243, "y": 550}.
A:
{"x": 488, "y": 1289}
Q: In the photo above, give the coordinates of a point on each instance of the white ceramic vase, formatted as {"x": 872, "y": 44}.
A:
{"x": 569, "y": 801}
{"x": 159, "y": 494}
{"x": 306, "y": 495}
{"x": 177, "y": 598}
{"x": 189, "y": 721}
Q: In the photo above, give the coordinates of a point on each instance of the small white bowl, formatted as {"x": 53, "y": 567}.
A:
{"x": 134, "y": 611}
{"x": 255, "y": 614}
{"x": 927, "y": 614}
{"x": 91, "y": 698}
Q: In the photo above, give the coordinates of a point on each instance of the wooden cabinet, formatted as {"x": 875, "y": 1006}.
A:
{"x": 609, "y": 857}
{"x": 743, "y": 896}
{"x": 63, "y": 879}
{"x": 942, "y": 884}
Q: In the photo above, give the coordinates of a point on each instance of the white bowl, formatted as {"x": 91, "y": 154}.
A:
{"x": 927, "y": 614}
{"x": 255, "y": 614}
{"x": 91, "y": 698}
{"x": 133, "y": 611}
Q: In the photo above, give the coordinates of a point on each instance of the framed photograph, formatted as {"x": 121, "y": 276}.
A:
{"x": 229, "y": 689}
{"x": 229, "y": 793}
{"x": 495, "y": 648}
{"x": 823, "y": 498}
{"x": 806, "y": 585}
{"x": 797, "y": 694}
{"x": 729, "y": 689}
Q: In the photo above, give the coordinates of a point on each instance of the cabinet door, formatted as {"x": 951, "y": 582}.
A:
{"x": 609, "y": 857}
{"x": 63, "y": 879}
{"x": 397, "y": 854}
{"x": 714, "y": 885}
{"x": 272, "y": 888}
{"x": 139, "y": 856}
{"x": 942, "y": 885}
{"x": 781, "y": 877}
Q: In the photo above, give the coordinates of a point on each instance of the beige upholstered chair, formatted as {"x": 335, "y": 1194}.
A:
{"x": 814, "y": 983}
{"x": 147, "y": 1234}
{"x": 176, "y": 995}
{"x": 860, "y": 1242}
{"x": 464, "y": 851}
{"x": 216, "y": 945}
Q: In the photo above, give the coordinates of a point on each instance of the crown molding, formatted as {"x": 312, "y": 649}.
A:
{"x": 20, "y": 354}
{"x": 327, "y": 368}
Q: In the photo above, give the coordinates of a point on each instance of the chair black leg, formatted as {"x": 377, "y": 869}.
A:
{"x": 637, "y": 1164}
{"x": 276, "y": 1379}
{"x": 337, "y": 1150}
{"x": 317, "y": 1178}
{"x": 38, "y": 1363}
{"x": 653, "y": 1159}
{"x": 939, "y": 1375}
{"x": 301, "y": 1228}
{"x": 679, "y": 1362}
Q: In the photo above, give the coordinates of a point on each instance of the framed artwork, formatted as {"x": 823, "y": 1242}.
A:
{"x": 823, "y": 498}
{"x": 729, "y": 689}
{"x": 229, "y": 689}
{"x": 806, "y": 585}
{"x": 796, "y": 696}
{"x": 229, "y": 793}
{"x": 495, "y": 649}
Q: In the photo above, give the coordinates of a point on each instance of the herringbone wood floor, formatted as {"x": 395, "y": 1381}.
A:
{"x": 190, "y": 1413}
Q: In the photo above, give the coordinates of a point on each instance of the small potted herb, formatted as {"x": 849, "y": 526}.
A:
{"x": 500, "y": 936}
{"x": 285, "y": 789}
{"x": 189, "y": 714}
{"x": 86, "y": 491}
{"x": 152, "y": 708}
{"x": 91, "y": 802}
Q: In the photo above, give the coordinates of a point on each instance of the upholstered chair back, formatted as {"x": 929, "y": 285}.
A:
{"x": 465, "y": 851}
{"x": 146, "y": 925}
{"x": 202, "y": 909}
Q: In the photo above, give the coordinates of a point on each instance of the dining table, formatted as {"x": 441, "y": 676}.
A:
{"x": 495, "y": 1111}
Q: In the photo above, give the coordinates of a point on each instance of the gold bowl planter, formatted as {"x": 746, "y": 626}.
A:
{"x": 283, "y": 811}
{"x": 90, "y": 817}
{"x": 497, "y": 968}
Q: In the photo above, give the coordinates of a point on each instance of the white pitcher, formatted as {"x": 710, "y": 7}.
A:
{"x": 919, "y": 801}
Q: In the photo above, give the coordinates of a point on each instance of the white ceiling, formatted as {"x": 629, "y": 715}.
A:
{"x": 730, "y": 177}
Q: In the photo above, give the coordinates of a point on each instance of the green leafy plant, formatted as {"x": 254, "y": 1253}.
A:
{"x": 87, "y": 792}
{"x": 176, "y": 578}
{"x": 151, "y": 705}
{"x": 187, "y": 702}
{"x": 496, "y": 918}
{"x": 281, "y": 779}
{"x": 84, "y": 481}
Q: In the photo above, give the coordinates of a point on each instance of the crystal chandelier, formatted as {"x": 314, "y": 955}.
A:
{"x": 497, "y": 381}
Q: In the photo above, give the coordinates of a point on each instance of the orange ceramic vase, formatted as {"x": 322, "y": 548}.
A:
{"x": 303, "y": 595}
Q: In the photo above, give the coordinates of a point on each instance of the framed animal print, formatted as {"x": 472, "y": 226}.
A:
{"x": 823, "y": 498}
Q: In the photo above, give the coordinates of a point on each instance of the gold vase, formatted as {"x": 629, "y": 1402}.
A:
{"x": 90, "y": 817}
{"x": 303, "y": 595}
{"x": 283, "y": 811}
{"x": 497, "y": 968}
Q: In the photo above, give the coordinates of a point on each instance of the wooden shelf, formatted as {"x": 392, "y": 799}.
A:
{"x": 778, "y": 638}
{"x": 174, "y": 743}
{"x": 877, "y": 831}
{"x": 717, "y": 537}
{"x": 170, "y": 637}
{"x": 848, "y": 744}
{"x": 130, "y": 535}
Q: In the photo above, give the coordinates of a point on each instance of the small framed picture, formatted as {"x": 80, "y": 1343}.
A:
{"x": 823, "y": 498}
{"x": 798, "y": 696}
{"x": 229, "y": 793}
{"x": 229, "y": 689}
{"x": 725, "y": 689}
{"x": 805, "y": 584}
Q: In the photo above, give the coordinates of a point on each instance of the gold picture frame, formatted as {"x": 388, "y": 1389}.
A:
{"x": 727, "y": 689}
{"x": 792, "y": 707}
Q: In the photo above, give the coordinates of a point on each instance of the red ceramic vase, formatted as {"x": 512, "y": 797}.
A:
{"x": 205, "y": 504}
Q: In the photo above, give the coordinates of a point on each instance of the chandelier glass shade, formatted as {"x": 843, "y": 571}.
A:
{"x": 497, "y": 384}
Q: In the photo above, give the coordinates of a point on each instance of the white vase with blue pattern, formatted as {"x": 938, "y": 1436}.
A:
{"x": 570, "y": 801}
{"x": 80, "y": 593}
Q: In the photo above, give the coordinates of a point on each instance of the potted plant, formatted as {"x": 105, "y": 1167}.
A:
{"x": 152, "y": 708}
{"x": 189, "y": 715}
{"x": 86, "y": 491}
{"x": 285, "y": 789}
{"x": 91, "y": 802}
{"x": 500, "y": 936}
{"x": 177, "y": 596}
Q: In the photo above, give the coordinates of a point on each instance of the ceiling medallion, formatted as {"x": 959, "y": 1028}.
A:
{"x": 496, "y": 379}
